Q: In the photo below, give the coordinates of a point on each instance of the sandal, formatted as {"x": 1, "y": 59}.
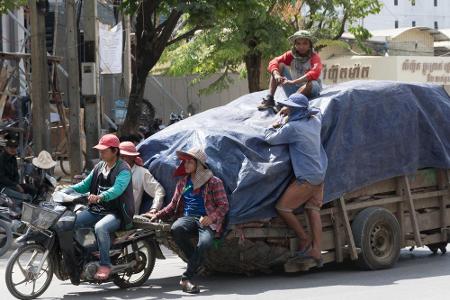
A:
{"x": 189, "y": 287}
{"x": 318, "y": 261}
{"x": 103, "y": 273}
{"x": 267, "y": 103}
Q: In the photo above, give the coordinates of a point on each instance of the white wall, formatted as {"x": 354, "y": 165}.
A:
{"x": 184, "y": 96}
{"x": 424, "y": 13}
{"x": 425, "y": 69}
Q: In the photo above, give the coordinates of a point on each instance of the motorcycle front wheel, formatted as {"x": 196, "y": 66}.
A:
{"x": 24, "y": 277}
{"x": 5, "y": 237}
{"x": 141, "y": 271}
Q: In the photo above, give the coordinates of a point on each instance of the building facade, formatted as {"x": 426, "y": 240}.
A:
{"x": 410, "y": 13}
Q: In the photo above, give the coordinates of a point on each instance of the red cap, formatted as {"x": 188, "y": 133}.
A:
{"x": 108, "y": 141}
{"x": 128, "y": 149}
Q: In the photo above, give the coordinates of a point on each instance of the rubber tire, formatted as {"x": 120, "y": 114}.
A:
{"x": 362, "y": 227}
{"x": 10, "y": 265}
{"x": 125, "y": 285}
{"x": 9, "y": 237}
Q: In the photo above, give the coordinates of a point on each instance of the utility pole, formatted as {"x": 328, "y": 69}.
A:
{"x": 39, "y": 77}
{"x": 92, "y": 109}
{"x": 126, "y": 66}
{"x": 74, "y": 145}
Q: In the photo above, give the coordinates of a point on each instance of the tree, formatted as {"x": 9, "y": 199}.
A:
{"x": 6, "y": 5}
{"x": 241, "y": 38}
{"x": 159, "y": 24}
{"x": 256, "y": 30}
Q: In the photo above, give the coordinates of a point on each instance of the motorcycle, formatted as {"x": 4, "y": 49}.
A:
{"x": 51, "y": 247}
{"x": 11, "y": 203}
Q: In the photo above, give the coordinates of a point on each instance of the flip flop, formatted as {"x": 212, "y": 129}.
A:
{"x": 318, "y": 261}
{"x": 190, "y": 288}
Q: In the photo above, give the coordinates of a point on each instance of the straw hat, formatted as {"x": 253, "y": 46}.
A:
{"x": 128, "y": 149}
{"x": 44, "y": 160}
{"x": 196, "y": 153}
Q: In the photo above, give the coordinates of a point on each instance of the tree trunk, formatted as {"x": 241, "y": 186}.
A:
{"x": 253, "y": 65}
{"x": 134, "y": 105}
{"x": 151, "y": 40}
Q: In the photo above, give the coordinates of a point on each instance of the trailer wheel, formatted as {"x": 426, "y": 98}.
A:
{"x": 377, "y": 233}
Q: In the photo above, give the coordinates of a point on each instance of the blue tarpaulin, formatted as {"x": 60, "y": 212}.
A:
{"x": 371, "y": 131}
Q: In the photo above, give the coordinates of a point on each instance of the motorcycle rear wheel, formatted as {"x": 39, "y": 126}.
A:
{"x": 24, "y": 263}
{"x": 147, "y": 254}
{"x": 6, "y": 237}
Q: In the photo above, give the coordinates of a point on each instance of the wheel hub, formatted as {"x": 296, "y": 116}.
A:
{"x": 381, "y": 241}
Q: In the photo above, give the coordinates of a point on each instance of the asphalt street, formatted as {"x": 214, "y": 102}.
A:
{"x": 418, "y": 275}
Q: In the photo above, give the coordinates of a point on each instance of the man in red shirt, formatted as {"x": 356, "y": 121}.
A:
{"x": 297, "y": 70}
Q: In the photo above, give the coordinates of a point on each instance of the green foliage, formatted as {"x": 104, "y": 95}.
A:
{"x": 6, "y": 5}
{"x": 245, "y": 28}
{"x": 262, "y": 26}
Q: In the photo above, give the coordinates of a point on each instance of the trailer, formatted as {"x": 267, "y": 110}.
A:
{"x": 386, "y": 185}
{"x": 368, "y": 226}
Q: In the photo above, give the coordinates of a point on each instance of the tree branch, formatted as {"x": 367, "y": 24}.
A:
{"x": 342, "y": 29}
{"x": 183, "y": 36}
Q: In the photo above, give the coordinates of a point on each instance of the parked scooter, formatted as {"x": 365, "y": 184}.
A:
{"x": 50, "y": 246}
{"x": 11, "y": 203}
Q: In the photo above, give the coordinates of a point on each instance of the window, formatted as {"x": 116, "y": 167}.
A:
{"x": 395, "y": 2}
{"x": 396, "y": 24}
{"x": 435, "y": 2}
{"x": 413, "y": 24}
{"x": 436, "y": 25}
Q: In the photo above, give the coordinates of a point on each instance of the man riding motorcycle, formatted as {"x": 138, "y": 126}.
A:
{"x": 111, "y": 202}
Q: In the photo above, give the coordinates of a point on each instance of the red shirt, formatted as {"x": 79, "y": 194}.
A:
{"x": 216, "y": 202}
{"x": 286, "y": 58}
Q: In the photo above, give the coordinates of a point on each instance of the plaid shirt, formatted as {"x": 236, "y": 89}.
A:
{"x": 216, "y": 202}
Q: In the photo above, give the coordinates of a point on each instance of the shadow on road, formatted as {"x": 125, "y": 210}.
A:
{"x": 414, "y": 265}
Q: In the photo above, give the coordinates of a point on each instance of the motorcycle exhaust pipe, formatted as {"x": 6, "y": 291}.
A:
{"x": 121, "y": 268}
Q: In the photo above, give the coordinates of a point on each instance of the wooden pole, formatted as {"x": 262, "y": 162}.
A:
{"x": 412, "y": 211}
{"x": 348, "y": 229}
{"x": 92, "y": 103}
{"x": 74, "y": 146}
{"x": 127, "y": 54}
{"x": 39, "y": 78}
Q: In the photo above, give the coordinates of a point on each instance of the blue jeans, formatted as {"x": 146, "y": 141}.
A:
{"x": 290, "y": 89}
{"x": 103, "y": 226}
{"x": 183, "y": 230}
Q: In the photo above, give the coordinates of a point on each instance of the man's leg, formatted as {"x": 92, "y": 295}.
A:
{"x": 268, "y": 101}
{"x": 86, "y": 219}
{"x": 313, "y": 211}
{"x": 29, "y": 189}
{"x": 205, "y": 240}
{"x": 183, "y": 229}
{"x": 295, "y": 195}
{"x": 108, "y": 224}
{"x": 316, "y": 230}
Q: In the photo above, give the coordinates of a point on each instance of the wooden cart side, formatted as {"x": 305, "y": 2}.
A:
{"x": 420, "y": 204}
{"x": 337, "y": 239}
